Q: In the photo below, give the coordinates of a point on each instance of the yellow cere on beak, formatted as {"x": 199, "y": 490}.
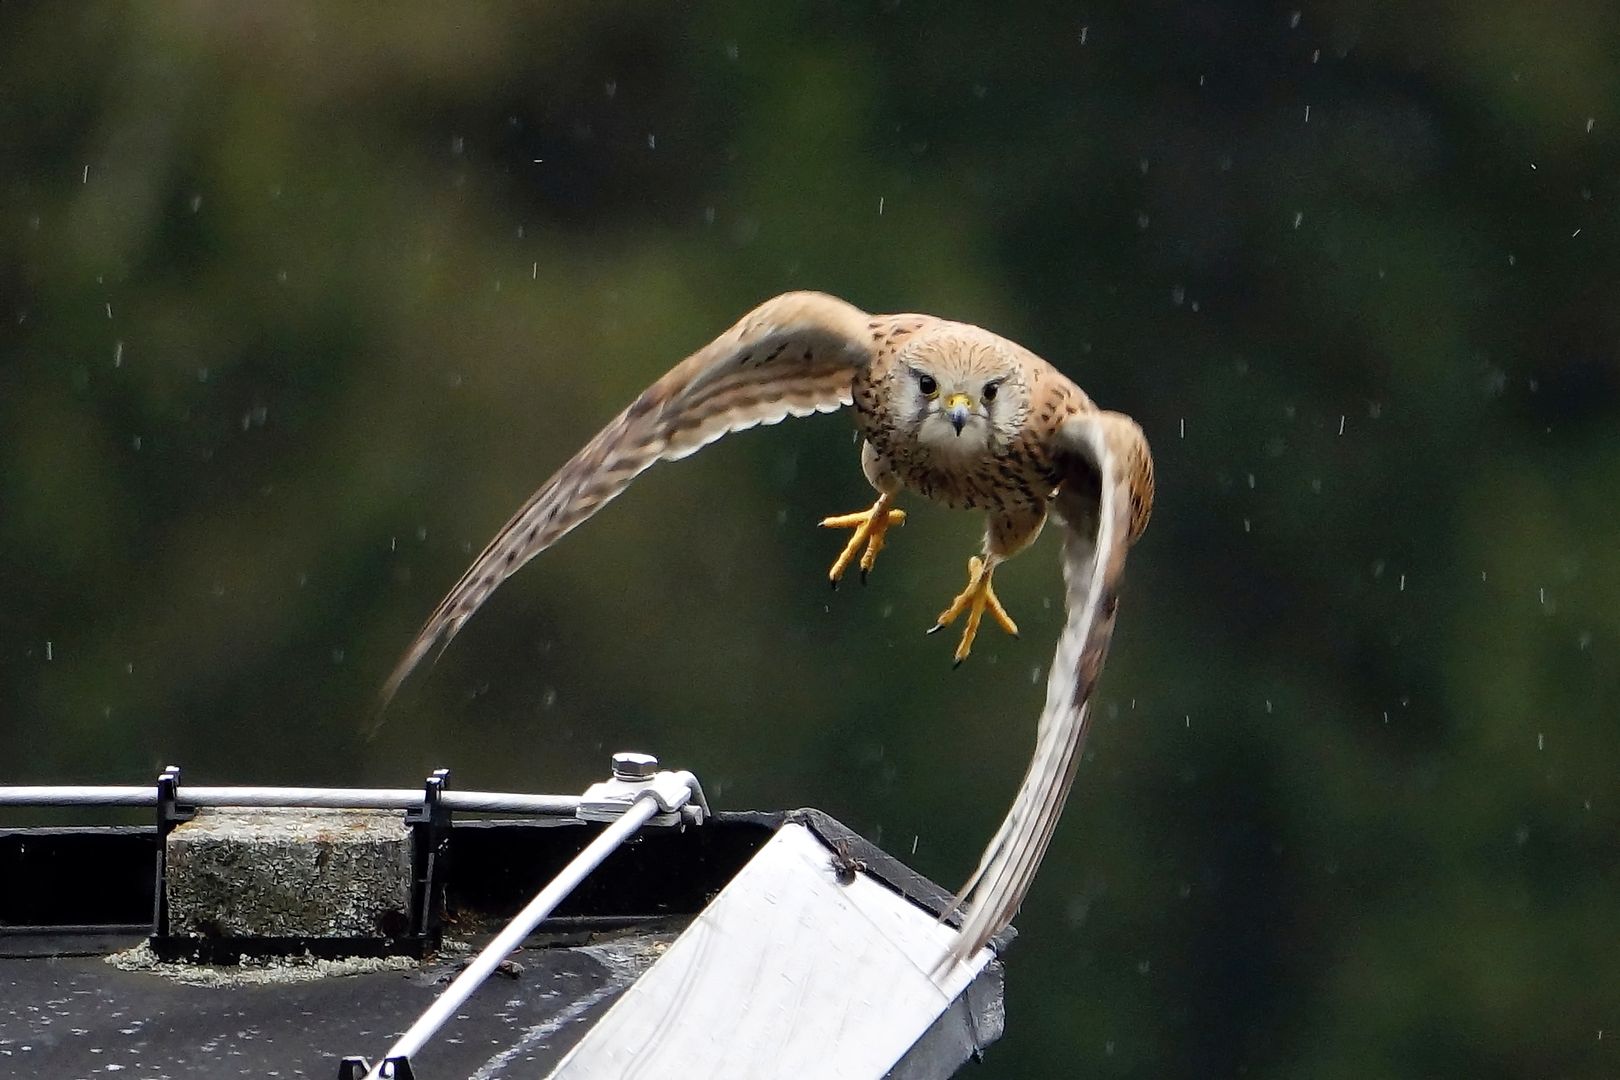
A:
{"x": 958, "y": 407}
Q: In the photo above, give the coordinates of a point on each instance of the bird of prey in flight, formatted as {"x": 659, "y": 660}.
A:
{"x": 947, "y": 410}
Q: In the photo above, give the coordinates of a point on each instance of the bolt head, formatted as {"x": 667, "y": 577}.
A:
{"x": 633, "y": 766}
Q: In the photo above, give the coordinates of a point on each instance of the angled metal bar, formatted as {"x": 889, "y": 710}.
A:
{"x": 642, "y": 808}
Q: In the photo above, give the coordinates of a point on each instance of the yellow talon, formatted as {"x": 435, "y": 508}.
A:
{"x": 870, "y": 527}
{"x": 975, "y": 599}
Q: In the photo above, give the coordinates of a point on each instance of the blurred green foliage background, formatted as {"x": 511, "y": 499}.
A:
{"x": 302, "y": 300}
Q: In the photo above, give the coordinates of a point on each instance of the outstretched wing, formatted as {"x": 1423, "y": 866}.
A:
{"x": 792, "y": 356}
{"x": 1104, "y": 502}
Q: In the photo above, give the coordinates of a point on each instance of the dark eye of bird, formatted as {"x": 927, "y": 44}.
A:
{"x": 990, "y": 391}
{"x": 927, "y": 385}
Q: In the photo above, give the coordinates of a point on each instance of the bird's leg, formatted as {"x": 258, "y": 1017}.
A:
{"x": 976, "y": 599}
{"x": 870, "y": 527}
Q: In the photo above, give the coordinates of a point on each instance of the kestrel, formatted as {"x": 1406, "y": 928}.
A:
{"x": 947, "y": 410}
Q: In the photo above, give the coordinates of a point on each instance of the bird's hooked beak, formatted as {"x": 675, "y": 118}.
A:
{"x": 958, "y": 407}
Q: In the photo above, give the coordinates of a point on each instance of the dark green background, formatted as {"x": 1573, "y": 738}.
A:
{"x": 301, "y": 300}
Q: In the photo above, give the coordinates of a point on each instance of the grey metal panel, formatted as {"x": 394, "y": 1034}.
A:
{"x": 788, "y": 973}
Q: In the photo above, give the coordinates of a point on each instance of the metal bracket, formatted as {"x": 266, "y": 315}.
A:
{"x": 170, "y": 812}
{"x": 679, "y": 796}
{"x": 432, "y": 811}
{"x": 430, "y": 829}
{"x": 358, "y": 1068}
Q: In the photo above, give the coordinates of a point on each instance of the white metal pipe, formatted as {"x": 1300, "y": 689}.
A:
{"x": 510, "y": 803}
{"x": 61, "y": 795}
{"x": 456, "y": 994}
{"x": 335, "y": 798}
{"x": 340, "y": 798}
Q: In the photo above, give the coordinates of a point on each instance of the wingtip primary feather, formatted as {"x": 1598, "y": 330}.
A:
{"x": 402, "y": 670}
{"x": 390, "y": 688}
{"x": 1092, "y": 566}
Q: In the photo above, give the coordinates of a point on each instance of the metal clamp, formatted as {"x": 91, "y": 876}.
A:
{"x": 433, "y": 810}
{"x": 170, "y": 810}
{"x": 679, "y": 796}
{"x": 394, "y": 1068}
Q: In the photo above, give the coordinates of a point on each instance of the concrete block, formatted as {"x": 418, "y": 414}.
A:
{"x": 289, "y": 873}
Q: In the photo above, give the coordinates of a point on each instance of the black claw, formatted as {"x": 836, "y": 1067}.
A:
{"x": 957, "y": 664}
{"x": 834, "y": 583}
{"x": 863, "y": 575}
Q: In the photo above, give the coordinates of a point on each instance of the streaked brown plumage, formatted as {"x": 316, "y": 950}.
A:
{"x": 948, "y": 410}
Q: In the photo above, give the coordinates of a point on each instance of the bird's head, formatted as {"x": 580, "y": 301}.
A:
{"x": 962, "y": 390}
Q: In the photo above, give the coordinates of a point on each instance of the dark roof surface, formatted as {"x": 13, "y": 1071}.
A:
{"x": 80, "y": 1016}
{"x": 72, "y": 898}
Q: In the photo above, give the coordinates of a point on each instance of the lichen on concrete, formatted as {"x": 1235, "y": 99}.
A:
{"x": 255, "y": 971}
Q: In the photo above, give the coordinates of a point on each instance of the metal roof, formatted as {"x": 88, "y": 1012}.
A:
{"x": 750, "y": 945}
